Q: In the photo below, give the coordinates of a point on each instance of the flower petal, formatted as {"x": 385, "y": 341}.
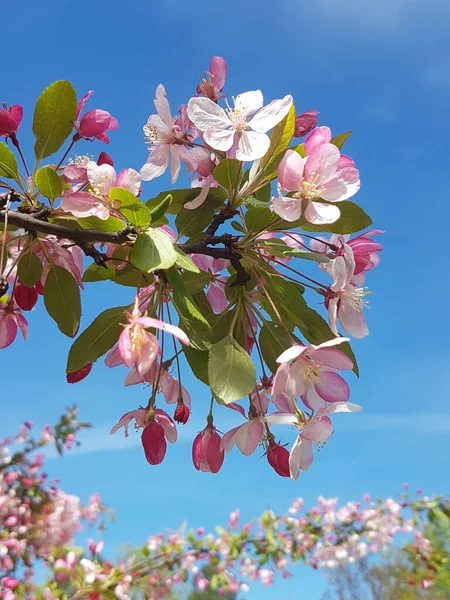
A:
{"x": 229, "y": 439}
{"x": 291, "y": 353}
{"x": 352, "y": 320}
{"x": 312, "y": 400}
{"x": 249, "y": 436}
{"x": 220, "y": 139}
{"x": 249, "y": 102}
{"x": 162, "y": 105}
{"x": 332, "y": 388}
{"x": 157, "y": 162}
{"x": 319, "y": 213}
{"x": 289, "y": 209}
{"x": 290, "y": 171}
{"x": 170, "y": 431}
{"x": 271, "y": 115}
{"x": 317, "y": 429}
{"x": 166, "y": 327}
{"x": 320, "y": 135}
{"x": 252, "y": 145}
{"x": 206, "y": 114}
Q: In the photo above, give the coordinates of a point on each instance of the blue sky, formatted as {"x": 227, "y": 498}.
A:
{"x": 379, "y": 68}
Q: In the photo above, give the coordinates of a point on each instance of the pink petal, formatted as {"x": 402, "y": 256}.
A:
{"x": 229, "y": 439}
{"x": 166, "y": 327}
{"x": 289, "y": 209}
{"x": 125, "y": 346}
{"x": 346, "y": 161}
{"x": 284, "y": 403}
{"x": 317, "y": 429}
{"x": 323, "y": 161}
{"x": 338, "y": 270}
{"x": 281, "y": 418}
{"x": 157, "y": 162}
{"x": 218, "y": 71}
{"x": 94, "y": 123}
{"x": 291, "y": 353}
{"x": 249, "y": 436}
{"x": 332, "y": 314}
{"x": 312, "y": 400}
{"x": 130, "y": 180}
{"x": 82, "y": 204}
{"x": 113, "y": 358}
{"x": 170, "y": 430}
{"x": 331, "y": 357}
{"x": 319, "y": 213}
{"x": 175, "y": 164}
{"x": 345, "y": 407}
{"x": 82, "y": 102}
{"x": 216, "y": 296}
{"x": 74, "y": 174}
{"x": 321, "y": 135}
{"x": 8, "y": 329}
{"x": 198, "y": 200}
{"x": 102, "y": 178}
{"x": 332, "y": 388}
{"x": 133, "y": 377}
{"x": 352, "y": 320}
{"x": 237, "y": 407}
{"x": 162, "y": 105}
{"x": 342, "y": 185}
{"x": 23, "y": 324}
{"x": 295, "y": 458}
{"x": 290, "y": 171}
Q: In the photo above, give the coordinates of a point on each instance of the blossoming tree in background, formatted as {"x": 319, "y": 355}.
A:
{"x": 222, "y": 275}
{"x": 38, "y": 523}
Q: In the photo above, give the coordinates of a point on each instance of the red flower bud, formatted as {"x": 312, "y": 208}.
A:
{"x": 182, "y": 413}
{"x": 10, "y": 120}
{"x": 305, "y": 122}
{"x": 105, "y": 159}
{"x": 278, "y": 459}
{"x": 154, "y": 443}
{"x": 79, "y": 375}
{"x": 206, "y": 453}
{"x": 24, "y": 296}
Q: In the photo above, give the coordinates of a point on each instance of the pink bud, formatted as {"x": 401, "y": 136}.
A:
{"x": 95, "y": 123}
{"x": 10, "y": 583}
{"x": 104, "y": 159}
{"x": 218, "y": 70}
{"x": 154, "y": 443}
{"x": 182, "y": 413}
{"x": 25, "y": 297}
{"x": 10, "y": 119}
{"x": 278, "y": 459}
{"x": 79, "y": 375}
{"x": 206, "y": 453}
{"x": 305, "y": 122}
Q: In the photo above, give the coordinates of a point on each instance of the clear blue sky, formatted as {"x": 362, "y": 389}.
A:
{"x": 379, "y": 68}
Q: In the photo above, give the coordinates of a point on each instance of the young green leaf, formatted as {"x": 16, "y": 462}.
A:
{"x": 98, "y": 338}
{"x": 231, "y": 372}
{"x": 53, "y": 119}
{"x": 339, "y": 140}
{"x": 184, "y": 262}
{"x": 130, "y": 207}
{"x": 160, "y": 209}
{"x": 110, "y": 224}
{"x": 279, "y": 142}
{"x": 153, "y": 250}
{"x": 48, "y": 183}
{"x": 228, "y": 174}
{"x": 62, "y": 300}
{"x": 8, "y": 163}
{"x": 29, "y": 269}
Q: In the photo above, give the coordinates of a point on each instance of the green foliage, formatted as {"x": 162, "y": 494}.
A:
{"x": 130, "y": 207}
{"x": 48, "y": 183}
{"x": 109, "y": 224}
{"x": 352, "y": 219}
{"x": 8, "y": 163}
{"x": 160, "y": 209}
{"x": 228, "y": 174}
{"x": 53, "y": 119}
{"x": 29, "y": 269}
{"x": 231, "y": 371}
{"x": 339, "y": 140}
{"x": 280, "y": 139}
{"x": 153, "y": 250}
{"x": 192, "y": 222}
{"x": 273, "y": 340}
{"x": 97, "y": 339}
{"x": 62, "y": 300}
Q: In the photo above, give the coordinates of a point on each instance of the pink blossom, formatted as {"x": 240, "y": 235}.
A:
{"x": 323, "y": 174}
{"x": 222, "y": 129}
{"x": 216, "y": 287}
{"x": 10, "y": 319}
{"x": 10, "y": 119}
{"x": 310, "y": 372}
{"x": 212, "y": 84}
{"x": 154, "y": 443}
{"x": 63, "y": 253}
{"x": 305, "y": 122}
{"x": 139, "y": 347}
{"x": 166, "y": 138}
{"x": 278, "y": 459}
{"x": 95, "y": 123}
{"x": 182, "y": 413}
{"x": 201, "y": 161}
{"x": 207, "y": 454}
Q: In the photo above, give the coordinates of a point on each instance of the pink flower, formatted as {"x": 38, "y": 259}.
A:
{"x": 222, "y": 129}
{"x": 216, "y": 288}
{"x": 207, "y": 454}
{"x": 166, "y": 138}
{"x": 346, "y": 301}
{"x": 278, "y": 459}
{"x": 309, "y": 372}
{"x": 10, "y": 119}
{"x": 11, "y": 319}
{"x": 212, "y": 85}
{"x": 63, "y": 253}
{"x": 95, "y": 123}
{"x": 305, "y": 122}
{"x": 102, "y": 178}
{"x": 202, "y": 162}
{"x": 323, "y": 174}
{"x": 139, "y": 347}
{"x": 182, "y": 413}
{"x": 154, "y": 443}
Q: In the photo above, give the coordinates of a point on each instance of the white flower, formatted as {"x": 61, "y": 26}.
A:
{"x": 220, "y": 128}
{"x": 89, "y": 570}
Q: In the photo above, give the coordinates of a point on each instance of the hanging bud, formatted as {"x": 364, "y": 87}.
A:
{"x": 79, "y": 375}
{"x": 25, "y": 297}
{"x": 278, "y": 459}
{"x": 305, "y": 122}
{"x": 206, "y": 453}
{"x": 154, "y": 443}
{"x": 181, "y": 414}
{"x": 105, "y": 159}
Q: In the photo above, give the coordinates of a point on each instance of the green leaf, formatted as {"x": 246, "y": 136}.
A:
{"x": 195, "y": 282}
{"x": 110, "y": 224}
{"x": 127, "y": 276}
{"x": 279, "y": 141}
{"x": 278, "y": 247}
{"x": 273, "y": 340}
{"x": 228, "y": 173}
{"x": 264, "y": 193}
{"x": 198, "y": 361}
{"x": 98, "y": 338}
{"x": 287, "y": 297}
{"x": 352, "y": 219}
{"x": 316, "y": 330}
{"x": 131, "y": 208}
{"x": 54, "y": 117}
{"x": 160, "y": 210}
{"x": 8, "y": 163}
{"x": 29, "y": 269}
{"x": 48, "y": 183}
{"x": 258, "y": 218}
{"x": 153, "y": 250}
{"x": 62, "y": 300}
{"x": 191, "y": 222}
{"x": 185, "y": 262}
{"x": 300, "y": 149}
{"x": 231, "y": 371}
{"x": 339, "y": 140}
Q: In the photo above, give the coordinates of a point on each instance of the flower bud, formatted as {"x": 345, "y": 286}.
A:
{"x": 10, "y": 120}
{"x": 25, "y": 297}
{"x": 154, "y": 443}
{"x": 278, "y": 459}
{"x": 104, "y": 159}
{"x": 305, "y": 122}
{"x": 182, "y": 413}
{"x": 206, "y": 453}
{"x": 79, "y": 374}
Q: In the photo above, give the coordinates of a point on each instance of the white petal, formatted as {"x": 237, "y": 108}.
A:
{"x": 162, "y": 105}
{"x": 157, "y": 162}
{"x": 282, "y": 418}
{"x": 249, "y": 102}
{"x": 319, "y": 213}
{"x": 174, "y": 162}
{"x": 345, "y": 407}
{"x": 206, "y": 114}
{"x": 289, "y": 209}
{"x": 198, "y": 200}
{"x": 295, "y": 457}
{"x": 293, "y": 352}
{"x": 252, "y": 145}
{"x": 101, "y": 178}
{"x": 219, "y": 139}
{"x": 271, "y": 115}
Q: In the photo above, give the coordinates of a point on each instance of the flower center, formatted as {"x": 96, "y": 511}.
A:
{"x": 310, "y": 371}
{"x": 80, "y": 161}
{"x": 238, "y": 118}
{"x": 355, "y": 297}
{"x": 151, "y": 134}
{"x": 313, "y": 187}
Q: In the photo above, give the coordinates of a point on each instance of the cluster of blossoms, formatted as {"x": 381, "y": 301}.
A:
{"x": 243, "y": 325}
{"x": 38, "y": 522}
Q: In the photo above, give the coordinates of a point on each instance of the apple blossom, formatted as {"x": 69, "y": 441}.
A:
{"x": 95, "y": 123}
{"x": 11, "y": 319}
{"x": 207, "y": 454}
{"x": 222, "y": 129}
{"x": 278, "y": 458}
{"x": 212, "y": 85}
{"x": 216, "y": 287}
